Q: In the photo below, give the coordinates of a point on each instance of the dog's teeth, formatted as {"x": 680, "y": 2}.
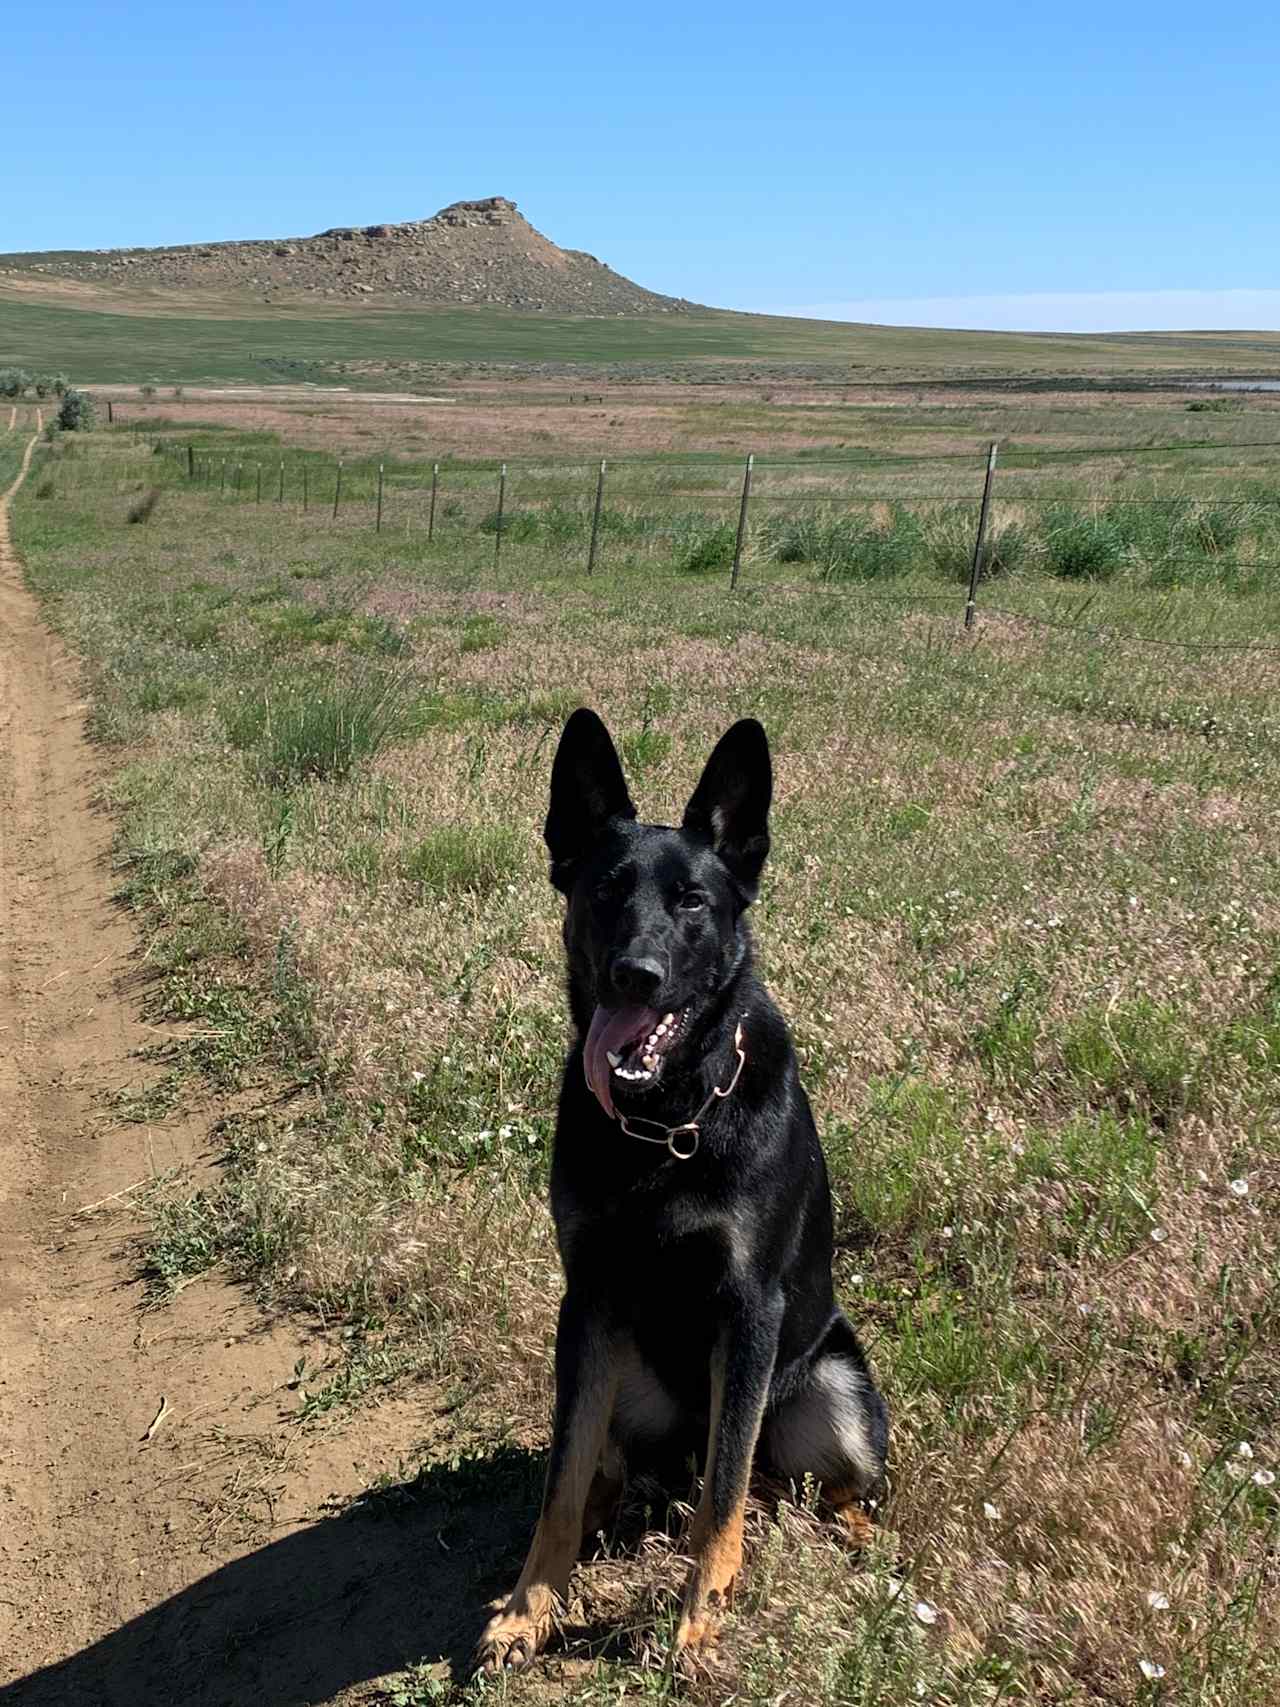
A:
{"x": 668, "y": 1020}
{"x": 650, "y": 1061}
{"x": 651, "y": 1041}
{"x": 661, "y": 1032}
{"x": 613, "y": 1059}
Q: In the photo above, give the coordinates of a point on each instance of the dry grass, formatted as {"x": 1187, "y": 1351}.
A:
{"x": 1023, "y": 915}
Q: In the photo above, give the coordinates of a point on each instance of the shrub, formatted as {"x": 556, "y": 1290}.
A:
{"x": 148, "y": 390}
{"x": 798, "y": 539}
{"x": 948, "y": 544}
{"x": 1215, "y": 406}
{"x": 59, "y": 382}
{"x": 706, "y": 548}
{"x": 1082, "y": 547}
{"x": 856, "y": 549}
{"x": 13, "y": 381}
{"x": 140, "y": 510}
{"x": 1215, "y": 529}
{"x": 308, "y": 732}
{"x": 76, "y": 413}
{"x": 46, "y": 489}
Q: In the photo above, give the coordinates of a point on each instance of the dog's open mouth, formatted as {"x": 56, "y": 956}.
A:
{"x": 626, "y": 1047}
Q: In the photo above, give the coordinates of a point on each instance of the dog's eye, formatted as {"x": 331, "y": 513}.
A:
{"x": 691, "y": 901}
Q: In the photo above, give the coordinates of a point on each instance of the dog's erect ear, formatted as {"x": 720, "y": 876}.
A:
{"x": 588, "y": 789}
{"x": 730, "y": 806}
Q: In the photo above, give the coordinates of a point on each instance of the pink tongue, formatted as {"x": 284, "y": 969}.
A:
{"x": 612, "y": 1030}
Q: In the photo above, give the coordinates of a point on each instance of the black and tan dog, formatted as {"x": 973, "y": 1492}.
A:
{"x": 689, "y": 1192}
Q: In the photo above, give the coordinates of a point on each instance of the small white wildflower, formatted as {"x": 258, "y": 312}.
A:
{"x": 418, "y": 1078}
{"x": 504, "y": 1131}
{"x": 1157, "y": 1601}
{"x": 1184, "y": 1458}
{"x": 1158, "y": 1235}
{"x": 1238, "y": 1187}
{"x": 925, "y": 1613}
{"x": 446, "y": 1060}
{"x": 1264, "y": 1478}
{"x": 856, "y": 1279}
{"x": 262, "y": 1148}
{"x": 1202, "y": 1176}
{"x": 1244, "y": 1450}
{"x": 948, "y": 1232}
{"x": 1150, "y": 1670}
{"x": 990, "y": 1512}
{"x": 1236, "y": 1468}
{"x": 487, "y": 1132}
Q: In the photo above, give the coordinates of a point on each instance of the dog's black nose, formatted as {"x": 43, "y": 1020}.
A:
{"x": 636, "y": 977}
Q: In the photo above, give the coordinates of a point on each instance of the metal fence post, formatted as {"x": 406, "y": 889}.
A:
{"x": 975, "y": 571}
{"x": 595, "y": 520}
{"x": 742, "y": 522}
{"x": 191, "y": 462}
{"x": 258, "y": 497}
{"x": 337, "y": 491}
{"x": 431, "y": 513}
{"x": 502, "y": 499}
{"x": 280, "y": 490}
{"x": 377, "y": 526}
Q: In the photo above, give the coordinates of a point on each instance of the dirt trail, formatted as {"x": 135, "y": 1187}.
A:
{"x": 184, "y": 1568}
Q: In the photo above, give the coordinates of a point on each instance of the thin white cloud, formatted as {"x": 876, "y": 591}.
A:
{"x": 1066, "y": 311}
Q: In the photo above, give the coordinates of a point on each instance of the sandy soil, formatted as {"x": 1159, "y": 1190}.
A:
{"x": 193, "y": 1561}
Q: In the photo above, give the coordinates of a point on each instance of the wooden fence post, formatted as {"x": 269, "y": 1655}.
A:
{"x": 742, "y": 523}
{"x": 258, "y": 498}
{"x": 280, "y": 492}
{"x": 431, "y": 513}
{"x": 502, "y": 499}
{"x": 378, "y": 524}
{"x": 595, "y": 521}
{"x": 337, "y": 491}
{"x": 191, "y": 462}
{"x": 975, "y": 571}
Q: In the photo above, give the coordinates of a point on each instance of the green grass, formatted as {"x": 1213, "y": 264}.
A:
{"x": 250, "y": 343}
{"x": 1019, "y": 913}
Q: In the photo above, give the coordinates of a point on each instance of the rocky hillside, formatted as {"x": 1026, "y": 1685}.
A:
{"x": 470, "y": 252}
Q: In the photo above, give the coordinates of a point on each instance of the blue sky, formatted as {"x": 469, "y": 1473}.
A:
{"x": 1016, "y": 165}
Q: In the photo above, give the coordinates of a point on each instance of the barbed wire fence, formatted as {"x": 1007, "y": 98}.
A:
{"x": 577, "y": 504}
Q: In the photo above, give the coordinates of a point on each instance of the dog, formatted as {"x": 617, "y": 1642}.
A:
{"x": 689, "y": 1193}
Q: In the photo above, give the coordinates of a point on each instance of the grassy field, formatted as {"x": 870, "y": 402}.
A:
{"x": 1022, "y": 915}
{"x": 171, "y": 341}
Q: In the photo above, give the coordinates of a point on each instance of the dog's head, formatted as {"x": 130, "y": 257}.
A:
{"x": 654, "y": 922}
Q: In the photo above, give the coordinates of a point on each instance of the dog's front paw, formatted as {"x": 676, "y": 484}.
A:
{"x": 511, "y": 1639}
{"x": 699, "y": 1627}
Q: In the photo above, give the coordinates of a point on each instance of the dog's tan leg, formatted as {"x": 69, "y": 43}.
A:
{"x": 585, "y": 1381}
{"x": 740, "y": 1374}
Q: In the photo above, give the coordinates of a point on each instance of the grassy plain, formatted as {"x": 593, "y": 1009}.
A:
{"x": 177, "y": 339}
{"x": 1022, "y": 915}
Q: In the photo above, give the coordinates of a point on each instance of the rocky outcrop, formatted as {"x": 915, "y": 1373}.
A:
{"x": 471, "y": 252}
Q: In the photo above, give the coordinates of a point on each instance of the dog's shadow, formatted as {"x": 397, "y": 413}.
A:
{"x": 400, "y": 1577}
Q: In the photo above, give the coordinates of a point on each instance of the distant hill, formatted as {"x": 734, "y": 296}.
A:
{"x": 470, "y": 253}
